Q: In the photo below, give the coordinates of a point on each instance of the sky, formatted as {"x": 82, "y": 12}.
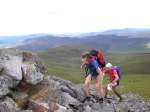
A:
{"x": 19, "y": 17}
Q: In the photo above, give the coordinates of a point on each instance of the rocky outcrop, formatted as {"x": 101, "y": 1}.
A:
{"x": 17, "y": 67}
{"x": 24, "y": 88}
{"x": 70, "y": 96}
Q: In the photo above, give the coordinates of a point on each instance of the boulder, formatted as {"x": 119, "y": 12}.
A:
{"x": 30, "y": 73}
{"x": 4, "y": 90}
{"x": 12, "y": 67}
{"x": 8, "y": 105}
{"x": 6, "y": 82}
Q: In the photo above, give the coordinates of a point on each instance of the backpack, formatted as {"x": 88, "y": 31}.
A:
{"x": 119, "y": 71}
{"x": 100, "y": 57}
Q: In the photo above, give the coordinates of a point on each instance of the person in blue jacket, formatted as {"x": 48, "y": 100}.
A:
{"x": 93, "y": 71}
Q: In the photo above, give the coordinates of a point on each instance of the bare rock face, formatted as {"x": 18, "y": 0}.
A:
{"x": 70, "y": 99}
{"x": 17, "y": 67}
{"x": 4, "y": 83}
{"x": 10, "y": 70}
{"x": 10, "y": 63}
{"x": 31, "y": 75}
{"x": 12, "y": 67}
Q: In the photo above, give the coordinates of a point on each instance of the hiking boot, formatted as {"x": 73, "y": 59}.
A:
{"x": 88, "y": 98}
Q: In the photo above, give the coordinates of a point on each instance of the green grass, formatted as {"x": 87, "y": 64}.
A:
{"x": 131, "y": 63}
{"x": 138, "y": 84}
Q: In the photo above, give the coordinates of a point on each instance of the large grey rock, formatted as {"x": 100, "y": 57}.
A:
{"x": 30, "y": 73}
{"x": 6, "y": 82}
{"x": 3, "y": 86}
{"x": 8, "y": 105}
{"x": 10, "y": 70}
{"x": 12, "y": 67}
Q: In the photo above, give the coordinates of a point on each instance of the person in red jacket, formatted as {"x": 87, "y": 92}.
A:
{"x": 114, "y": 80}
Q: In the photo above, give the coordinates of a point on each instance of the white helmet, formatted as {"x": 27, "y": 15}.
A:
{"x": 108, "y": 65}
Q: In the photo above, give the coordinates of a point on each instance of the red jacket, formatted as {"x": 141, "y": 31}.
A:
{"x": 111, "y": 73}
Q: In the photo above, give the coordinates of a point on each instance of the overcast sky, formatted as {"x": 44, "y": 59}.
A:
{"x": 19, "y": 17}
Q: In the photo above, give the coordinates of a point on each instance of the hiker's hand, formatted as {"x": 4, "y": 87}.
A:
{"x": 114, "y": 81}
{"x": 103, "y": 74}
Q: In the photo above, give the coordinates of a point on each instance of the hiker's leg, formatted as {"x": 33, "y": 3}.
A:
{"x": 106, "y": 92}
{"x": 87, "y": 85}
{"x": 99, "y": 87}
{"x": 115, "y": 91}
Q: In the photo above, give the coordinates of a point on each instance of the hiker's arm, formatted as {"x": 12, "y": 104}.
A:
{"x": 116, "y": 76}
{"x": 105, "y": 72}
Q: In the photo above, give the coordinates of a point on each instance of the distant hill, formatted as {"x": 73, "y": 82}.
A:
{"x": 11, "y": 41}
{"x": 116, "y": 40}
{"x": 130, "y": 32}
{"x": 45, "y": 42}
{"x": 109, "y": 43}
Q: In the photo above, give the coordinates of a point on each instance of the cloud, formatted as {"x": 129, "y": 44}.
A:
{"x": 65, "y": 16}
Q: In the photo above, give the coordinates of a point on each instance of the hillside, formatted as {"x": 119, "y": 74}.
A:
{"x": 130, "y": 32}
{"x": 66, "y": 60}
{"x": 109, "y": 43}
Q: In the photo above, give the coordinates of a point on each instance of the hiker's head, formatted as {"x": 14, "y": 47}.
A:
{"x": 86, "y": 57}
{"x": 109, "y": 65}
